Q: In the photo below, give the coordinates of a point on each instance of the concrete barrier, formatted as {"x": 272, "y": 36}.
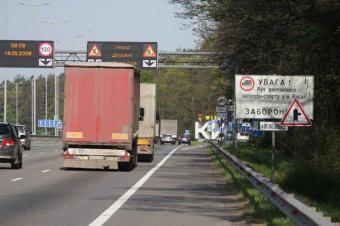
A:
{"x": 45, "y": 139}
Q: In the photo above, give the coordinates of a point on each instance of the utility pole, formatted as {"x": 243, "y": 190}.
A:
{"x": 46, "y": 102}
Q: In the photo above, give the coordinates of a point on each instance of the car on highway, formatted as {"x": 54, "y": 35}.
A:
{"x": 26, "y": 142}
{"x": 167, "y": 138}
{"x": 184, "y": 139}
{"x": 11, "y": 148}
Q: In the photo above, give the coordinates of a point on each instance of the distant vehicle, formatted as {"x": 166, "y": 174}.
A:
{"x": 184, "y": 139}
{"x": 26, "y": 142}
{"x": 229, "y": 135}
{"x": 101, "y": 112}
{"x": 169, "y": 126}
{"x": 11, "y": 148}
{"x": 167, "y": 138}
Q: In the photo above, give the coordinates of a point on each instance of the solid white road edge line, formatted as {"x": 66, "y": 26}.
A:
{"x": 105, "y": 216}
{"x": 188, "y": 148}
{"x": 16, "y": 179}
{"x": 45, "y": 171}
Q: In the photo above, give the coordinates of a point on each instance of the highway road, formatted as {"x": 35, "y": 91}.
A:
{"x": 180, "y": 187}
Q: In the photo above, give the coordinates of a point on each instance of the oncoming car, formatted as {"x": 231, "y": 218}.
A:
{"x": 11, "y": 148}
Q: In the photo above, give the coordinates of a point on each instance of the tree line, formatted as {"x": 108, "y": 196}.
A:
{"x": 24, "y": 97}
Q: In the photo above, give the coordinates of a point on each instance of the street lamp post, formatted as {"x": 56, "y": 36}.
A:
{"x": 32, "y": 106}
{"x": 16, "y": 103}
{"x": 5, "y": 97}
{"x": 46, "y": 102}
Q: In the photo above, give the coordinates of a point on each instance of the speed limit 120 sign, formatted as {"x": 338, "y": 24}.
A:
{"x": 45, "y": 49}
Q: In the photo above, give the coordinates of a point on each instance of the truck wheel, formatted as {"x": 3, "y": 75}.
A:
{"x": 150, "y": 158}
{"x": 126, "y": 166}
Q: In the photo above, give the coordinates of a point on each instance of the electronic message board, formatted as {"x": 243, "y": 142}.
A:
{"x": 26, "y": 53}
{"x": 140, "y": 54}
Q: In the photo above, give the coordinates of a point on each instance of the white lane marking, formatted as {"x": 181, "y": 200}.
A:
{"x": 16, "y": 179}
{"x": 105, "y": 216}
{"x": 45, "y": 171}
{"x": 192, "y": 147}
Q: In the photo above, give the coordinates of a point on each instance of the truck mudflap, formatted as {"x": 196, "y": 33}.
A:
{"x": 94, "y": 158}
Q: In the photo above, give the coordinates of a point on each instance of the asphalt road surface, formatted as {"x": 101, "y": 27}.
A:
{"x": 180, "y": 187}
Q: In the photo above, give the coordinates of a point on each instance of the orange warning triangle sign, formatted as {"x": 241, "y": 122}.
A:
{"x": 149, "y": 52}
{"x": 296, "y": 116}
{"x": 94, "y": 51}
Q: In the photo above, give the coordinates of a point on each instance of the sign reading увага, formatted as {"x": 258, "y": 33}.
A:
{"x": 269, "y": 96}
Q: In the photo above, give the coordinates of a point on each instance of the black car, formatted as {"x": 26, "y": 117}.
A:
{"x": 184, "y": 139}
{"x": 11, "y": 148}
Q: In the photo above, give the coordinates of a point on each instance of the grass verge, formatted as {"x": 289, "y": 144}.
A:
{"x": 260, "y": 161}
{"x": 263, "y": 209}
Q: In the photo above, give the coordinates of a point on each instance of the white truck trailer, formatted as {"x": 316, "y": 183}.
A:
{"x": 147, "y": 126}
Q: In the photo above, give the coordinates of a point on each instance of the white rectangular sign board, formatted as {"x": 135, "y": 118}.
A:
{"x": 272, "y": 126}
{"x": 269, "y": 96}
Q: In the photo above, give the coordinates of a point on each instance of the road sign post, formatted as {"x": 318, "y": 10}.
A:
{"x": 273, "y": 157}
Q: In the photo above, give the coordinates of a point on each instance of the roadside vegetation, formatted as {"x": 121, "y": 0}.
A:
{"x": 284, "y": 38}
{"x": 292, "y": 178}
{"x": 263, "y": 209}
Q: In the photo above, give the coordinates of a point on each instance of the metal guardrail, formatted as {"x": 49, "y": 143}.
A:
{"x": 45, "y": 138}
{"x": 297, "y": 211}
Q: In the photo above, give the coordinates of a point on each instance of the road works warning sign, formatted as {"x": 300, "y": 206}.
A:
{"x": 95, "y": 51}
{"x": 149, "y": 52}
{"x": 269, "y": 96}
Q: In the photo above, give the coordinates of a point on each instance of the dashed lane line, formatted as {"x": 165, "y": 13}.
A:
{"x": 45, "y": 171}
{"x": 16, "y": 179}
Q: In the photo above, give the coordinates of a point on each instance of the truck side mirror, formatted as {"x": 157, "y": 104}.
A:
{"x": 141, "y": 114}
{"x": 157, "y": 117}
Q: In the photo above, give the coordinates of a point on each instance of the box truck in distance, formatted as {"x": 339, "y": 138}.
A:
{"x": 101, "y": 114}
{"x": 168, "y": 131}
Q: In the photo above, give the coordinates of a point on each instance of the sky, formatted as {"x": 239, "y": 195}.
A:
{"x": 71, "y": 23}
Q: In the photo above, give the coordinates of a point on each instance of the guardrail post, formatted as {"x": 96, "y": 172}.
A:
{"x": 273, "y": 157}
